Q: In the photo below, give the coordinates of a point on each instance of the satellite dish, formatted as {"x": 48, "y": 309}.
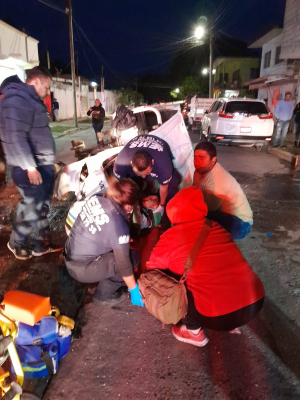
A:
{"x": 202, "y": 20}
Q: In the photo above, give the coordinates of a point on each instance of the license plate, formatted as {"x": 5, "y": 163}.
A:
{"x": 246, "y": 130}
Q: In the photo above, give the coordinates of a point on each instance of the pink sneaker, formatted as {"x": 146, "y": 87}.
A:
{"x": 182, "y": 334}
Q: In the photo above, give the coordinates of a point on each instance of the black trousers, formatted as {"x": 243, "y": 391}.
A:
{"x": 227, "y": 322}
{"x": 102, "y": 270}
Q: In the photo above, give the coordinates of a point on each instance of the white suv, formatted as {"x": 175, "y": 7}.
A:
{"x": 238, "y": 120}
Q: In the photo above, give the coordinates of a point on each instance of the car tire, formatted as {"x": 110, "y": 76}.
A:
{"x": 209, "y": 139}
{"x": 202, "y": 137}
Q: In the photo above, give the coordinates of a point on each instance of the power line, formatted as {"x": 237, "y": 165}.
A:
{"x": 85, "y": 52}
{"x": 52, "y": 6}
{"x": 96, "y": 51}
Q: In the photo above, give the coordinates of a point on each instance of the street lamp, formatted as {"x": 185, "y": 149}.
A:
{"x": 205, "y": 71}
{"x": 177, "y": 90}
{"x": 94, "y": 85}
{"x": 203, "y": 28}
{"x": 199, "y": 32}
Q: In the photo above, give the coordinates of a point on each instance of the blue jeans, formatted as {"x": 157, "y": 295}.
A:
{"x": 32, "y": 211}
{"x": 234, "y": 225}
{"x": 97, "y": 128}
{"x": 280, "y": 132}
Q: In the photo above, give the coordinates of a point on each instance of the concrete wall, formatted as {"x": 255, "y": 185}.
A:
{"x": 62, "y": 91}
{"x": 109, "y": 100}
{"x": 291, "y": 30}
{"x": 18, "y": 52}
{"x": 274, "y": 69}
{"x": 270, "y": 92}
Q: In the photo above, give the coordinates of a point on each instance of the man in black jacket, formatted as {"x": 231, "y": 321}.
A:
{"x": 98, "y": 115}
{"x": 297, "y": 124}
{"x": 29, "y": 148}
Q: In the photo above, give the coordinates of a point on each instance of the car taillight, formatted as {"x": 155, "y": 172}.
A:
{"x": 198, "y": 119}
{"x": 222, "y": 114}
{"x": 265, "y": 116}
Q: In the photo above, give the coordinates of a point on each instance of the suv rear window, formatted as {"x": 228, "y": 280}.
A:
{"x": 247, "y": 107}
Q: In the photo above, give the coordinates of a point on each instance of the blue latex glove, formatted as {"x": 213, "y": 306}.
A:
{"x": 136, "y": 298}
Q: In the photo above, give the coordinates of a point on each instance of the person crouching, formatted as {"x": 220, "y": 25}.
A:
{"x": 97, "y": 249}
{"x": 223, "y": 291}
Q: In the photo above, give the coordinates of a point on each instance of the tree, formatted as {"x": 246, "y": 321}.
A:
{"x": 128, "y": 97}
{"x": 191, "y": 86}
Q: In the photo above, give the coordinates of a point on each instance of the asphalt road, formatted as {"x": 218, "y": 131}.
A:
{"x": 125, "y": 353}
{"x": 63, "y": 144}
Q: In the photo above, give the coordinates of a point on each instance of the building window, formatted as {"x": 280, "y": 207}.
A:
{"x": 225, "y": 78}
{"x": 277, "y": 59}
{"x": 254, "y": 73}
{"x": 267, "y": 59}
{"x": 235, "y": 78}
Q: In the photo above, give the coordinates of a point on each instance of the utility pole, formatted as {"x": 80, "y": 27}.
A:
{"x": 69, "y": 12}
{"x": 210, "y": 63}
{"x": 136, "y": 92}
{"x": 102, "y": 86}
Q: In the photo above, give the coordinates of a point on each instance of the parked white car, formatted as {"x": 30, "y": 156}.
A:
{"x": 238, "y": 120}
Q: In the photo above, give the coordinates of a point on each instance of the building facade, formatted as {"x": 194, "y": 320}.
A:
{"x": 231, "y": 75}
{"x": 18, "y": 52}
{"x": 280, "y": 62}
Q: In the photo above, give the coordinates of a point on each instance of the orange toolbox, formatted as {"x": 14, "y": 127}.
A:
{"x": 25, "y": 307}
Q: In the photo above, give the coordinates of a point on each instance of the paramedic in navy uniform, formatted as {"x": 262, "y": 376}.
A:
{"x": 97, "y": 249}
{"x": 149, "y": 157}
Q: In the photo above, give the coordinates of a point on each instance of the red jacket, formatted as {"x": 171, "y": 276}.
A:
{"x": 221, "y": 281}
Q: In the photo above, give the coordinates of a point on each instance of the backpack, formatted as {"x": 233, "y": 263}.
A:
{"x": 164, "y": 296}
{"x": 40, "y": 347}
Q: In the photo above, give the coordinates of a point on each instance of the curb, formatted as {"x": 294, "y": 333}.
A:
{"x": 72, "y": 130}
{"x": 293, "y": 159}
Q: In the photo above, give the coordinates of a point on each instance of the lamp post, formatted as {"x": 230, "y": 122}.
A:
{"x": 94, "y": 85}
{"x": 202, "y": 28}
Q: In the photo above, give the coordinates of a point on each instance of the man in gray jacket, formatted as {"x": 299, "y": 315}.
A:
{"x": 29, "y": 148}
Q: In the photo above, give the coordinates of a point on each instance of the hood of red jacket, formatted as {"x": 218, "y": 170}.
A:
{"x": 188, "y": 205}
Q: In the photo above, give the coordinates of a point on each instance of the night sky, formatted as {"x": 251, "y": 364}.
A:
{"x": 134, "y": 38}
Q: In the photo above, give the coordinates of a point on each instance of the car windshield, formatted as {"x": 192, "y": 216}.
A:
{"x": 246, "y": 107}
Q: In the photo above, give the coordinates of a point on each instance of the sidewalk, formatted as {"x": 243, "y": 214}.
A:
{"x": 67, "y": 127}
{"x": 289, "y": 152}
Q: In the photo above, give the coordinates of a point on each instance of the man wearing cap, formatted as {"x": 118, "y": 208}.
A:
{"x": 283, "y": 114}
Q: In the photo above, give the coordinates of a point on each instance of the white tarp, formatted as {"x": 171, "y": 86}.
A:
{"x": 173, "y": 132}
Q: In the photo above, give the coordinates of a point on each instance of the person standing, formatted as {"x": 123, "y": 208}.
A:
{"x": 283, "y": 114}
{"x": 224, "y": 197}
{"x": 98, "y": 115}
{"x": 297, "y": 124}
{"x": 55, "y": 108}
{"x": 29, "y": 148}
